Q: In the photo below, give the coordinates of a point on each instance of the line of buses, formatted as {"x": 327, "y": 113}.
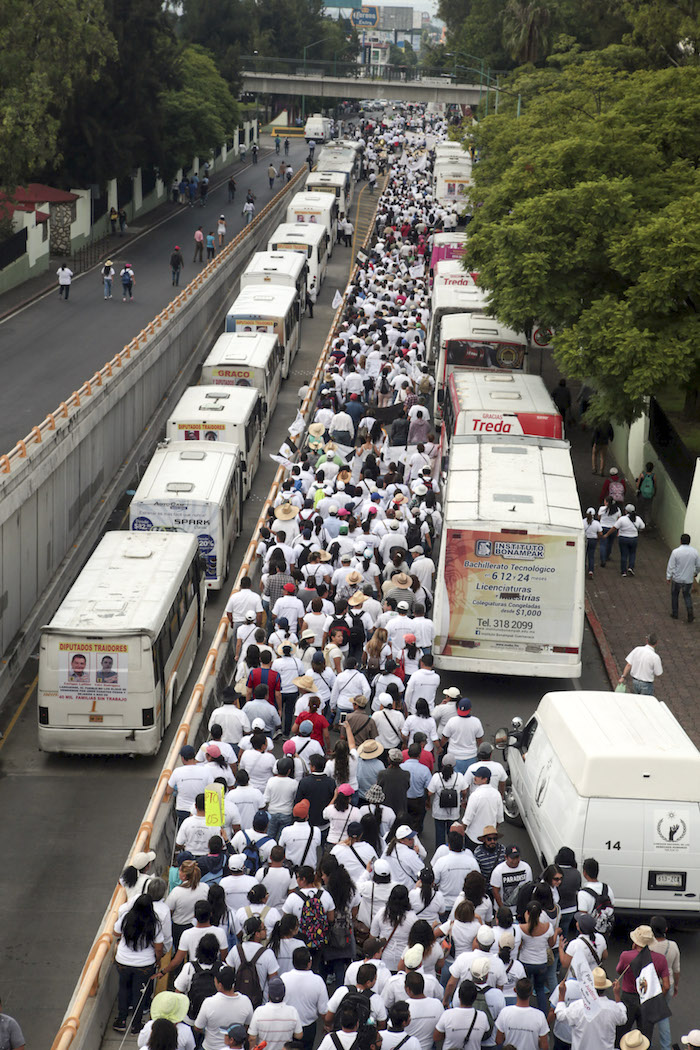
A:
{"x": 118, "y": 652}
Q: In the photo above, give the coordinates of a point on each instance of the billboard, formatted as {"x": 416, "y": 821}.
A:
{"x": 365, "y": 17}
{"x": 396, "y": 18}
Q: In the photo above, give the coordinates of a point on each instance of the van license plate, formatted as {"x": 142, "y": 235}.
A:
{"x": 667, "y": 880}
{"x": 96, "y": 718}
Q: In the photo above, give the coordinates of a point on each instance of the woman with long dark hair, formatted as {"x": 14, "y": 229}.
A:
{"x": 538, "y": 935}
{"x": 422, "y": 933}
{"x": 341, "y": 948}
{"x": 462, "y": 928}
{"x": 163, "y": 1035}
{"x": 284, "y": 938}
{"x": 342, "y": 766}
{"x": 340, "y": 812}
{"x": 477, "y": 891}
{"x": 137, "y": 874}
{"x": 370, "y": 832}
{"x": 139, "y": 952}
{"x": 427, "y": 901}
{"x": 393, "y": 925}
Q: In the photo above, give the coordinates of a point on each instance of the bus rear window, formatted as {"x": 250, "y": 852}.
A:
{"x": 472, "y": 353}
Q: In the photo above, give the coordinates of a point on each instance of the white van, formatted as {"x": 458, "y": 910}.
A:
{"x": 246, "y": 359}
{"x": 193, "y": 487}
{"x": 263, "y": 308}
{"x": 331, "y": 182}
{"x": 614, "y": 777}
{"x": 318, "y": 128}
{"x": 215, "y": 413}
{"x": 311, "y": 239}
{"x": 277, "y": 268}
{"x": 315, "y": 208}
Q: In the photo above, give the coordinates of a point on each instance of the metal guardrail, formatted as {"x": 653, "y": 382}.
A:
{"x": 67, "y": 408}
{"x": 455, "y": 73}
{"x": 88, "y": 982}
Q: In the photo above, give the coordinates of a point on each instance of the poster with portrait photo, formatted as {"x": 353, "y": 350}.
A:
{"x": 92, "y": 671}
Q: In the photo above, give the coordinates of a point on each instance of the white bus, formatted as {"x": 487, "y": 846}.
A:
{"x": 117, "y": 654}
{"x": 475, "y": 340}
{"x": 451, "y": 150}
{"x": 452, "y": 294}
{"x": 215, "y": 413}
{"x": 311, "y": 239}
{"x": 277, "y": 268}
{"x": 267, "y": 308}
{"x": 331, "y": 182}
{"x": 510, "y": 592}
{"x": 246, "y": 359}
{"x": 193, "y": 487}
{"x": 315, "y": 208}
{"x": 343, "y": 162}
{"x": 452, "y": 180}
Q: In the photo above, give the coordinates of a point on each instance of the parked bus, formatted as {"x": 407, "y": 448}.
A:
{"x": 246, "y": 359}
{"x": 447, "y": 246}
{"x": 343, "y": 162}
{"x": 456, "y": 295}
{"x": 478, "y": 402}
{"x": 452, "y": 180}
{"x": 315, "y": 208}
{"x": 311, "y": 239}
{"x": 117, "y": 654}
{"x": 193, "y": 487}
{"x": 262, "y": 308}
{"x": 475, "y": 340}
{"x": 334, "y": 182}
{"x": 277, "y": 268}
{"x": 215, "y": 413}
{"x": 510, "y": 582}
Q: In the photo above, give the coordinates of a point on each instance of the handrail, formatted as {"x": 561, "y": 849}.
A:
{"x": 36, "y": 434}
{"x": 89, "y": 978}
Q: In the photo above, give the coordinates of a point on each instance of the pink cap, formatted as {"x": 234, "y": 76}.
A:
{"x": 213, "y": 750}
{"x": 410, "y": 638}
{"x": 346, "y": 789}
{"x": 289, "y": 748}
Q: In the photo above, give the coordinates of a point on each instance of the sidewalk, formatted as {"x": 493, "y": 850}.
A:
{"x": 33, "y": 288}
{"x": 622, "y": 610}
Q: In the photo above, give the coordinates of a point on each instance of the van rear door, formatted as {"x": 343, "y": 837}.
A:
{"x": 614, "y": 835}
{"x": 671, "y": 869}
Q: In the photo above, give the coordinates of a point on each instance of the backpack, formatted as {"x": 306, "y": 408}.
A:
{"x": 481, "y": 1004}
{"x": 339, "y": 624}
{"x": 413, "y": 535}
{"x": 617, "y": 490}
{"x": 313, "y": 921}
{"x": 603, "y": 911}
{"x": 214, "y": 875}
{"x": 251, "y": 852}
{"x": 448, "y": 796}
{"x": 424, "y": 386}
{"x": 202, "y": 985}
{"x": 360, "y": 1001}
{"x": 384, "y": 387}
{"x": 646, "y": 489}
{"x": 247, "y": 981}
{"x": 127, "y": 276}
{"x": 357, "y": 631}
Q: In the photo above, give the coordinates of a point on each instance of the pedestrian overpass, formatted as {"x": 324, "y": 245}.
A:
{"x": 319, "y": 84}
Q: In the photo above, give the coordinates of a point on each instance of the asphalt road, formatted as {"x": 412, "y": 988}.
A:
{"x": 53, "y": 346}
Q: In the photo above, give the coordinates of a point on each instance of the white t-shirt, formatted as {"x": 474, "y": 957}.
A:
{"x": 276, "y": 1024}
{"x": 308, "y": 993}
{"x": 580, "y": 948}
{"x": 295, "y": 840}
{"x": 383, "y": 974}
{"x": 260, "y": 766}
{"x": 346, "y": 1039}
{"x": 354, "y": 858}
{"x": 266, "y": 965}
{"x": 416, "y": 724}
{"x": 248, "y": 800}
{"x": 181, "y": 901}
{"x": 431, "y": 911}
{"x": 269, "y": 915}
{"x": 522, "y": 1026}
{"x": 191, "y": 938}
{"x": 425, "y": 1014}
{"x": 376, "y": 1003}
{"x": 194, "y": 834}
{"x": 278, "y": 882}
{"x": 237, "y": 888}
{"x": 219, "y": 1012}
{"x": 185, "y": 1038}
{"x": 187, "y": 782}
{"x": 498, "y": 773}
{"x": 461, "y": 969}
{"x": 392, "y": 1039}
{"x": 279, "y": 794}
{"x": 450, "y": 872}
{"x": 241, "y": 603}
{"x": 143, "y": 954}
{"x": 394, "y": 949}
{"x": 585, "y": 901}
{"x": 461, "y": 734}
{"x": 484, "y": 809}
{"x": 455, "y": 1024}
{"x": 436, "y": 786}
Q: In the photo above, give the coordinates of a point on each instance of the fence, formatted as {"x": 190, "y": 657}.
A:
{"x": 14, "y": 247}
{"x": 678, "y": 460}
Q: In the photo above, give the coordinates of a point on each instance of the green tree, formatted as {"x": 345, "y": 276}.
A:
{"x": 198, "y": 114}
{"x": 586, "y": 218}
{"x": 667, "y": 30}
{"x": 525, "y": 30}
{"x": 47, "y": 49}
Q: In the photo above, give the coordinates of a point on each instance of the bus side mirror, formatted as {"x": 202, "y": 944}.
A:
{"x": 500, "y": 739}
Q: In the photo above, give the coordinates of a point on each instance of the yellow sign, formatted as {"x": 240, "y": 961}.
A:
{"x": 214, "y": 805}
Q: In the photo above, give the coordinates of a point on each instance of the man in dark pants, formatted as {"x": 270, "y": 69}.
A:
{"x": 318, "y": 789}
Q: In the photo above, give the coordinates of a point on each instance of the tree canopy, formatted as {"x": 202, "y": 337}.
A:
{"x": 586, "y": 218}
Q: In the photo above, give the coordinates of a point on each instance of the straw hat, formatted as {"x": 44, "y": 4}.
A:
{"x": 370, "y": 749}
{"x": 399, "y": 498}
{"x": 358, "y": 598}
{"x": 285, "y": 512}
{"x": 642, "y": 936}
{"x": 286, "y": 645}
{"x": 402, "y": 579}
{"x": 354, "y": 578}
{"x": 317, "y": 430}
{"x": 600, "y": 979}
{"x": 634, "y": 1040}
{"x": 488, "y": 831}
{"x": 305, "y": 682}
{"x": 325, "y": 556}
{"x": 360, "y": 700}
{"x": 171, "y": 1006}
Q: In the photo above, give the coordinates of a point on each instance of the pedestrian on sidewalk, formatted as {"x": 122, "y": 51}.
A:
{"x": 231, "y": 189}
{"x": 310, "y": 161}
{"x": 608, "y": 514}
{"x": 646, "y": 490}
{"x": 311, "y": 297}
{"x": 113, "y": 219}
{"x": 127, "y": 276}
{"x": 372, "y": 180}
{"x": 561, "y": 396}
{"x": 122, "y": 222}
{"x": 603, "y": 434}
{"x": 108, "y": 277}
{"x": 272, "y": 174}
{"x": 592, "y": 530}
{"x": 65, "y": 276}
{"x": 643, "y": 665}
{"x": 615, "y": 485}
{"x": 683, "y": 566}
{"x": 198, "y": 245}
{"x": 192, "y": 190}
{"x": 254, "y": 151}
{"x": 277, "y": 143}
{"x": 211, "y": 245}
{"x": 176, "y": 264}
{"x": 221, "y": 230}
{"x": 248, "y": 212}
{"x": 628, "y": 527}
{"x": 348, "y": 231}
{"x": 286, "y": 147}
{"x": 203, "y": 190}
{"x": 184, "y": 190}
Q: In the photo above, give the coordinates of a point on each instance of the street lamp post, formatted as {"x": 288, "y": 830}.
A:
{"x": 305, "y": 49}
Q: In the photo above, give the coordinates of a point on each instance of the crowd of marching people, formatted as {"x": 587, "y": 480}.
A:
{"x": 361, "y": 893}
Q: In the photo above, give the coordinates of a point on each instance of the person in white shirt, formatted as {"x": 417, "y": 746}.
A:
{"x": 243, "y": 601}
{"x": 353, "y": 854}
{"x": 390, "y": 721}
{"x": 425, "y": 1011}
{"x": 372, "y": 950}
{"x": 300, "y": 840}
{"x": 522, "y": 1025}
{"x": 248, "y": 800}
{"x": 588, "y": 946}
{"x": 234, "y": 722}
{"x": 278, "y": 797}
{"x": 498, "y": 773}
{"x": 308, "y": 993}
{"x": 484, "y": 805}
{"x": 186, "y": 781}
{"x": 423, "y": 683}
{"x": 365, "y": 982}
{"x": 194, "y": 833}
{"x": 462, "y": 735}
{"x": 276, "y": 1022}
{"x": 276, "y": 878}
{"x": 462, "y": 1027}
{"x": 399, "y": 1019}
{"x": 452, "y": 868}
{"x": 596, "y": 1032}
{"x": 258, "y": 762}
{"x": 221, "y": 1010}
{"x": 643, "y": 665}
{"x": 592, "y": 888}
{"x": 237, "y": 884}
{"x": 256, "y": 836}
{"x": 253, "y": 949}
